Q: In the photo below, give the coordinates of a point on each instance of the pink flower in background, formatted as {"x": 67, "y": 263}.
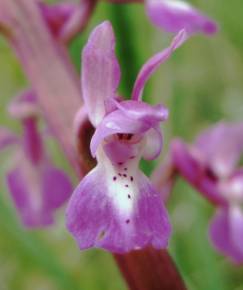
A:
{"x": 174, "y": 15}
{"x": 211, "y": 166}
{"x": 36, "y": 186}
{"x": 115, "y": 206}
{"x": 66, "y": 20}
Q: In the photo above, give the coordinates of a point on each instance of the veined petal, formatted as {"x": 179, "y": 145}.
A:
{"x": 221, "y": 235}
{"x": 117, "y": 213}
{"x": 175, "y": 15}
{"x": 7, "y": 138}
{"x": 194, "y": 171}
{"x": 222, "y": 146}
{"x": 154, "y": 62}
{"x": 100, "y": 71}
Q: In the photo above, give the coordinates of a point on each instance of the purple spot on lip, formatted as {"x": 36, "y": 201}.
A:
{"x": 127, "y": 221}
{"x": 126, "y": 185}
{"x": 120, "y": 163}
{"x": 129, "y": 196}
{"x": 132, "y": 157}
{"x": 125, "y": 169}
{"x": 114, "y": 178}
{"x": 124, "y": 175}
{"x": 131, "y": 178}
{"x": 119, "y": 174}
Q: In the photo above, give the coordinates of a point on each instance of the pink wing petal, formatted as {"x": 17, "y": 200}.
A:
{"x": 173, "y": 16}
{"x": 154, "y": 62}
{"x": 100, "y": 71}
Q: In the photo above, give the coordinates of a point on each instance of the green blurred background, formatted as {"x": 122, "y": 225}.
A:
{"x": 201, "y": 85}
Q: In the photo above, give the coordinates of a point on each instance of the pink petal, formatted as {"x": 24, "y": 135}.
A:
{"x": 56, "y": 186}
{"x": 236, "y": 224}
{"x": 154, "y": 62}
{"x": 7, "y": 138}
{"x": 221, "y": 236}
{"x": 28, "y": 200}
{"x": 194, "y": 171}
{"x": 37, "y": 191}
{"x": 154, "y": 144}
{"x": 66, "y": 20}
{"x": 32, "y": 140}
{"x": 104, "y": 213}
{"x": 173, "y": 16}
{"x": 222, "y": 146}
{"x": 143, "y": 111}
{"x": 57, "y": 15}
{"x": 100, "y": 71}
{"x": 24, "y": 105}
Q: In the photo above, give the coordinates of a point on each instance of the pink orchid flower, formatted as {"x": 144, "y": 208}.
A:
{"x": 115, "y": 207}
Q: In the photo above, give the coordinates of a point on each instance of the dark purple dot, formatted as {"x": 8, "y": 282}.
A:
{"x": 120, "y": 136}
{"x": 125, "y": 169}
{"x": 120, "y": 163}
{"x": 124, "y": 175}
{"x": 114, "y": 178}
{"x": 132, "y": 157}
{"x": 119, "y": 174}
{"x": 129, "y": 136}
{"x": 131, "y": 178}
{"x": 126, "y": 185}
{"x": 129, "y": 196}
{"x": 127, "y": 221}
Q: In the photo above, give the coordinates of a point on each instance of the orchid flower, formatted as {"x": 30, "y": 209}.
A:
{"x": 211, "y": 167}
{"x": 36, "y": 186}
{"x": 115, "y": 206}
{"x": 66, "y": 20}
{"x": 174, "y": 15}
